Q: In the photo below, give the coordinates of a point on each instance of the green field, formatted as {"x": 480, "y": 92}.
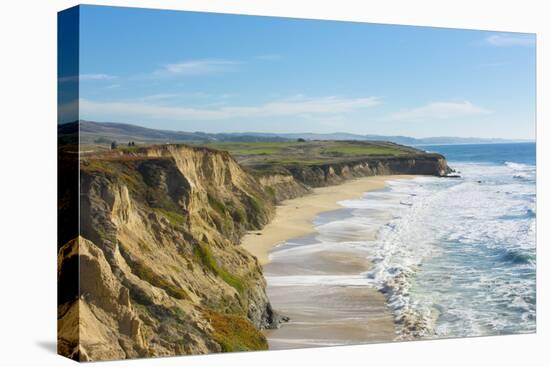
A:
{"x": 285, "y": 153}
{"x": 309, "y": 152}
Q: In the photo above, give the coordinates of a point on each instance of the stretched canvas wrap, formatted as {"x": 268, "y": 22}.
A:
{"x": 241, "y": 183}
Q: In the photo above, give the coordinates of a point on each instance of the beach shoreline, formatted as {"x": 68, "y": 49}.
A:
{"x": 294, "y": 217}
{"x": 320, "y": 314}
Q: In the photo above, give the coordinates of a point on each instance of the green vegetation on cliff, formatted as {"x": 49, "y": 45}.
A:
{"x": 235, "y": 334}
{"x": 207, "y": 259}
{"x": 310, "y": 152}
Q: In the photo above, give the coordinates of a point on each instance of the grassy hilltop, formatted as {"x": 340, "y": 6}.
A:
{"x": 310, "y": 152}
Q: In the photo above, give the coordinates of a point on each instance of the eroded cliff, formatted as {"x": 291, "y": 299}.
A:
{"x": 161, "y": 271}
{"x": 290, "y": 180}
{"x": 158, "y": 259}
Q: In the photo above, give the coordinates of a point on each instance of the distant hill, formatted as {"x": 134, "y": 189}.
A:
{"x": 398, "y": 139}
{"x": 105, "y": 132}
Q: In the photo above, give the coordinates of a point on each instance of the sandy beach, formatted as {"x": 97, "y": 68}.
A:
{"x": 321, "y": 287}
{"x": 294, "y": 217}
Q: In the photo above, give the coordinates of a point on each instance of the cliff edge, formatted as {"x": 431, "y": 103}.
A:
{"x": 158, "y": 259}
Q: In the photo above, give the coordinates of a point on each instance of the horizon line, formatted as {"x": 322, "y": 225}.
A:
{"x": 303, "y": 132}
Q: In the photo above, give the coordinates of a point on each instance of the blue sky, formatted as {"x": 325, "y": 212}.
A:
{"x": 220, "y": 73}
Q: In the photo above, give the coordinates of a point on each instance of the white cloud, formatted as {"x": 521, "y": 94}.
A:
{"x": 97, "y": 77}
{"x": 288, "y": 107}
{"x": 86, "y": 77}
{"x": 171, "y": 96}
{"x": 439, "y": 111}
{"x": 510, "y": 40}
{"x": 197, "y": 67}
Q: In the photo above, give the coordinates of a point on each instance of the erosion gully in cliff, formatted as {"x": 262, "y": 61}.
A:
{"x": 157, "y": 247}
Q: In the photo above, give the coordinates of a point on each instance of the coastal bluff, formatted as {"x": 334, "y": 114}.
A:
{"x": 158, "y": 257}
{"x": 327, "y": 174}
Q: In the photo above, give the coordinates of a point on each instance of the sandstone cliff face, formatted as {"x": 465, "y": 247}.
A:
{"x": 289, "y": 181}
{"x": 335, "y": 173}
{"x": 161, "y": 269}
{"x": 158, "y": 258}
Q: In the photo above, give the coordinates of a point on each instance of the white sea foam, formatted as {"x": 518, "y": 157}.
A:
{"x": 315, "y": 280}
{"x": 459, "y": 257}
{"x": 453, "y": 257}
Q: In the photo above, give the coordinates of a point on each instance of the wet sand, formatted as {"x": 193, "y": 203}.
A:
{"x": 329, "y": 316}
{"x": 294, "y": 217}
{"x": 325, "y": 296}
{"x": 320, "y": 286}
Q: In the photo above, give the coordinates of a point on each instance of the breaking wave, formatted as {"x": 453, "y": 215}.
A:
{"x": 456, "y": 257}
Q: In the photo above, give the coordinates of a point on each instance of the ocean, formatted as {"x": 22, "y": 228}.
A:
{"x": 454, "y": 257}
